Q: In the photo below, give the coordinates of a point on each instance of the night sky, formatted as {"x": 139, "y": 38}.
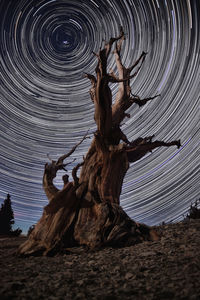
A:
{"x": 45, "y": 106}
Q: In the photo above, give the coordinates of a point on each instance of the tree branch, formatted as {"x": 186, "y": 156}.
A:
{"x": 93, "y": 80}
{"x": 63, "y": 157}
{"x": 142, "y": 146}
{"x": 141, "y": 102}
{"x": 74, "y": 174}
{"x": 112, "y": 40}
{"x": 113, "y": 78}
{"x": 142, "y": 56}
{"x": 100, "y": 92}
{"x": 91, "y": 77}
{"x": 123, "y": 100}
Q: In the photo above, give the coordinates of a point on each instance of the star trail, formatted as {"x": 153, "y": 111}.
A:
{"x": 45, "y": 107}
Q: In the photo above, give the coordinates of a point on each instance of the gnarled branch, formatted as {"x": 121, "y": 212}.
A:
{"x": 74, "y": 174}
{"x": 63, "y": 157}
{"x": 142, "y": 146}
{"x": 123, "y": 100}
{"x": 141, "y": 102}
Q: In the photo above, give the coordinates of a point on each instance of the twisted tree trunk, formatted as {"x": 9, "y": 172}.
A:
{"x": 87, "y": 211}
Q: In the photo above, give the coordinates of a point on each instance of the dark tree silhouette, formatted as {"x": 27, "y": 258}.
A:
{"x": 87, "y": 211}
{"x": 194, "y": 211}
{"x": 7, "y": 219}
{"x": 6, "y": 216}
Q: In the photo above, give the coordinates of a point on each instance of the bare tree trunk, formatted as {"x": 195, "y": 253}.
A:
{"x": 87, "y": 211}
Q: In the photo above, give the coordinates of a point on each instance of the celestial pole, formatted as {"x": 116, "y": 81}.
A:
{"x": 45, "y": 107}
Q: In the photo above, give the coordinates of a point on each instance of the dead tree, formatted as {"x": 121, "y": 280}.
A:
{"x": 87, "y": 211}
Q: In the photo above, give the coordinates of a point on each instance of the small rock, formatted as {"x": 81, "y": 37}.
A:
{"x": 147, "y": 253}
{"x": 128, "y": 275}
{"x": 80, "y": 282}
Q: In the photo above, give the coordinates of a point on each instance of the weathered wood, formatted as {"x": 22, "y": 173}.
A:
{"x": 87, "y": 211}
{"x": 54, "y": 230}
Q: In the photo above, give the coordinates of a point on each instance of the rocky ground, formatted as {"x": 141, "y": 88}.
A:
{"x": 166, "y": 269}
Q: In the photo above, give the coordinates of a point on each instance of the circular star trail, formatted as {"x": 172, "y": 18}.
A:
{"x": 45, "y": 107}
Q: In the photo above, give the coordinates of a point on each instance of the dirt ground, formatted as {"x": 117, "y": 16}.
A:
{"x": 166, "y": 269}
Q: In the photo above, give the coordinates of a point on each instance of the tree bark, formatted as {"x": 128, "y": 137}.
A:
{"x": 87, "y": 211}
